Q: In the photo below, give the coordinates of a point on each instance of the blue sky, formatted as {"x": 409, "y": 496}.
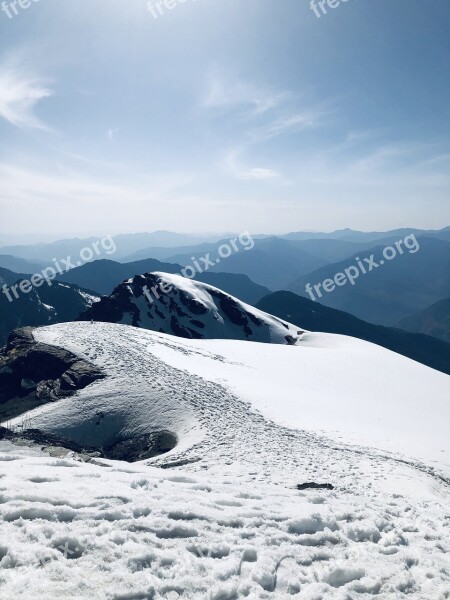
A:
{"x": 224, "y": 115}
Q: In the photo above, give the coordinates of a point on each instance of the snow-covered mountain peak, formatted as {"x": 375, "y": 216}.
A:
{"x": 176, "y": 305}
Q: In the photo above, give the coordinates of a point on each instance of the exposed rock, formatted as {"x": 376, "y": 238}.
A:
{"x": 19, "y": 338}
{"x": 315, "y": 486}
{"x": 129, "y": 450}
{"x": 52, "y": 444}
{"x": 179, "y": 306}
{"x": 38, "y": 373}
{"x": 141, "y": 447}
{"x": 79, "y": 375}
{"x": 196, "y": 307}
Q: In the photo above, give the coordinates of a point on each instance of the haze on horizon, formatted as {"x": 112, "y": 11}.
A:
{"x": 223, "y": 116}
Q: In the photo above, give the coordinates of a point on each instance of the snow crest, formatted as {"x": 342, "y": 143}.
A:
{"x": 179, "y": 306}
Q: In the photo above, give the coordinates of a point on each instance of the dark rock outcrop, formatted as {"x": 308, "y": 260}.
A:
{"x": 141, "y": 447}
{"x": 47, "y": 440}
{"x": 189, "y": 309}
{"x": 315, "y": 486}
{"x": 133, "y": 449}
{"x": 32, "y": 373}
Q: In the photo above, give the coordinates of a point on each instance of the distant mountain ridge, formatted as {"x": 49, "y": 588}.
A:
{"x": 104, "y": 275}
{"x": 278, "y": 261}
{"x": 272, "y": 262}
{"x": 8, "y": 277}
{"x": 434, "y": 321}
{"x": 398, "y": 288}
{"x": 45, "y": 305}
{"x": 19, "y": 265}
{"x": 369, "y": 236}
{"x": 125, "y": 244}
{"x": 136, "y": 246}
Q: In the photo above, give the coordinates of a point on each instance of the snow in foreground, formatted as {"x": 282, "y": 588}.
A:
{"x": 223, "y": 519}
{"x": 80, "y": 531}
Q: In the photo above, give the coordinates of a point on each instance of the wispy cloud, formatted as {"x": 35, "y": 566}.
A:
{"x": 234, "y": 94}
{"x": 259, "y": 173}
{"x": 80, "y": 201}
{"x": 48, "y": 186}
{"x": 19, "y": 95}
{"x": 236, "y": 169}
{"x": 286, "y": 124}
{"x": 411, "y": 166}
{"x": 260, "y": 114}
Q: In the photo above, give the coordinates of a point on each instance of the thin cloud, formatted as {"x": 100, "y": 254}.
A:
{"x": 259, "y": 173}
{"x": 239, "y": 171}
{"x": 111, "y": 134}
{"x": 230, "y": 95}
{"x": 284, "y": 125}
{"x": 260, "y": 115}
{"x": 19, "y": 95}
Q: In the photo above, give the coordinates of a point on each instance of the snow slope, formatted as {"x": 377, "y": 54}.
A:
{"x": 253, "y": 421}
{"x": 347, "y": 389}
{"x": 353, "y": 391}
{"x": 176, "y": 305}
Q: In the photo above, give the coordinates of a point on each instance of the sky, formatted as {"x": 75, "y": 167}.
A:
{"x": 223, "y": 115}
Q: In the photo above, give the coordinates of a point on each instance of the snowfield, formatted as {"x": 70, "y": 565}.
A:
{"x": 223, "y": 519}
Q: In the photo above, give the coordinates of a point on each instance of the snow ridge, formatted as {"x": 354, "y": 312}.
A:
{"x": 179, "y": 306}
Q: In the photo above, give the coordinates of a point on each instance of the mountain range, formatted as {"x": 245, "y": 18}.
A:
{"x": 278, "y": 261}
{"x": 135, "y": 246}
{"x": 104, "y": 275}
{"x": 73, "y": 292}
{"x": 125, "y": 244}
{"x": 389, "y": 295}
{"x": 390, "y": 291}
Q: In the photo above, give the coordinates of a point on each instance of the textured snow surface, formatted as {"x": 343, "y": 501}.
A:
{"x": 81, "y": 532}
{"x": 223, "y": 520}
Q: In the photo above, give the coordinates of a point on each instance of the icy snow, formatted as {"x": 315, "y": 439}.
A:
{"x": 47, "y": 306}
{"x": 90, "y": 298}
{"x": 223, "y": 519}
